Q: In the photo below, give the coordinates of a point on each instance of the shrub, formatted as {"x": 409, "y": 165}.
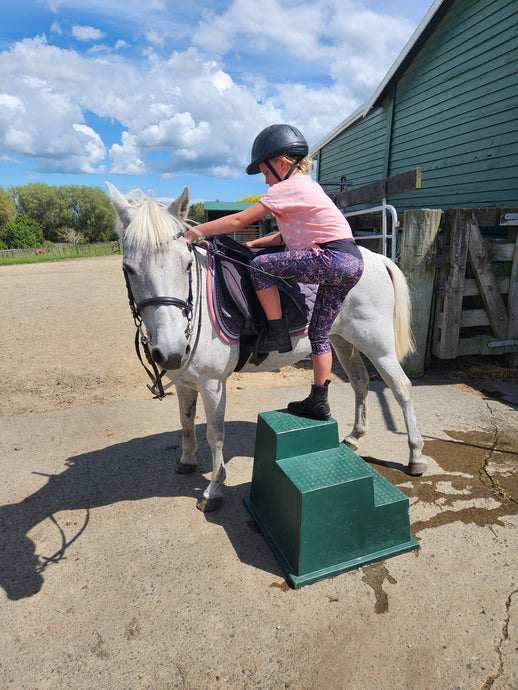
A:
{"x": 23, "y": 232}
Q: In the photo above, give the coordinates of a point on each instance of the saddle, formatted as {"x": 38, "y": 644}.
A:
{"x": 235, "y": 310}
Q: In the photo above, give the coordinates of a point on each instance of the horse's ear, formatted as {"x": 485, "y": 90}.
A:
{"x": 179, "y": 208}
{"x": 120, "y": 203}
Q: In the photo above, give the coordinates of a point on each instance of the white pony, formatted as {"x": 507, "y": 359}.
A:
{"x": 166, "y": 275}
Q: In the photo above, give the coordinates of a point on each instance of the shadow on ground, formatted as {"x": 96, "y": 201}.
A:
{"x": 138, "y": 469}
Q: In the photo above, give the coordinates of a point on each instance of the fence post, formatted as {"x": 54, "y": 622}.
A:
{"x": 419, "y": 252}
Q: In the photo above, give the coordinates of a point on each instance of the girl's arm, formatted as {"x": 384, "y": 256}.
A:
{"x": 273, "y": 239}
{"x": 226, "y": 224}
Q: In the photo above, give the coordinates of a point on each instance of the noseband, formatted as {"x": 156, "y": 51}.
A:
{"x": 141, "y": 339}
{"x": 185, "y": 306}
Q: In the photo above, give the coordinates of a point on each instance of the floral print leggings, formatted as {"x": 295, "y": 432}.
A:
{"x": 335, "y": 273}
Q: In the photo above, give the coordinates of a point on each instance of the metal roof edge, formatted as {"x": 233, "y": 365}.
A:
{"x": 356, "y": 115}
{"x": 403, "y": 55}
{"x": 368, "y": 105}
{"x": 226, "y": 205}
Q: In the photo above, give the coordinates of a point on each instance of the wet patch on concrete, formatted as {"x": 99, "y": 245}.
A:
{"x": 478, "y": 483}
{"x": 374, "y": 576}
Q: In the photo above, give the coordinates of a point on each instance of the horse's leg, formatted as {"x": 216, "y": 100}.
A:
{"x": 214, "y": 399}
{"x": 350, "y": 359}
{"x": 187, "y": 398}
{"x": 392, "y": 373}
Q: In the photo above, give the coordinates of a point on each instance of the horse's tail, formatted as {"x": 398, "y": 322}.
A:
{"x": 404, "y": 340}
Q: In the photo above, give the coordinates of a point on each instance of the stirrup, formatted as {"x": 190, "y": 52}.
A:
{"x": 277, "y": 339}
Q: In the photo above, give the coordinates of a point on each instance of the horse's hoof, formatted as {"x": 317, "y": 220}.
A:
{"x": 351, "y": 443}
{"x": 416, "y": 469}
{"x": 185, "y": 468}
{"x": 208, "y": 505}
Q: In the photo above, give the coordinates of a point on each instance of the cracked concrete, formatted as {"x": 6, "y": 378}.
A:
{"x": 110, "y": 578}
{"x": 506, "y": 675}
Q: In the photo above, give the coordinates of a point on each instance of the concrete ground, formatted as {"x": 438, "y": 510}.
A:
{"x": 112, "y": 579}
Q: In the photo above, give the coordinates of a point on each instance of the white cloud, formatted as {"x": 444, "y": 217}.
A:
{"x": 19, "y": 140}
{"x": 354, "y": 44}
{"x": 196, "y": 104}
{"x": 94, "y": 147}
{"x": 125, "y": 157}
{"x": 179, "y": 131}
{"x": 9, "y": 105}
{"x": 86, "y": 33}
{"x": 9, "y": 159}
{"x": 44, "y": 108}
{"x": 264, "y": 22}
{"x": 156, "y": 38}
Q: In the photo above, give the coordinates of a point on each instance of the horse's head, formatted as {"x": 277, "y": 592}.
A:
{"x": 157, "y": 263}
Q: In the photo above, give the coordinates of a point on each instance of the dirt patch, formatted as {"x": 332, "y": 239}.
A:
{"x": 68, "y": 340}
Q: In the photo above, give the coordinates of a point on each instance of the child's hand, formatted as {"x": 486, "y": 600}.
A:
{"x": 192, "y": 235}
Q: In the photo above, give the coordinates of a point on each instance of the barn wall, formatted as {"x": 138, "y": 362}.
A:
{"x": 455, "y": 115}
{"x": 356, "y": 153}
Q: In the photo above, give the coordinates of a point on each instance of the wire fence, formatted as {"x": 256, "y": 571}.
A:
{"x": 61, "y": 249}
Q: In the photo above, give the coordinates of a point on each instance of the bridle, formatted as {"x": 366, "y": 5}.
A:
{"x": 188, "y": 308}
{"x": 142, "y": 340}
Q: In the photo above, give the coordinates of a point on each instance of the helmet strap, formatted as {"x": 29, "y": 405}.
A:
{"x": 292, "y": 169}
{"x": 274, "y": 172}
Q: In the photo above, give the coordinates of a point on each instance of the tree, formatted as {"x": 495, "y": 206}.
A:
{"x": 7, "y": 211}
{"x": 23, "y": 232}
{"x": 44, "y": 204}
{"x": 196, "y": 212}
{"x": 93, "y": 214}
{"x": 72, "y": 236}
{"x": 251, "y": 198}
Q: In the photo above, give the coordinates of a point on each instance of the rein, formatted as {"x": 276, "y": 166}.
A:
{"x": 214, "y": 252}
{"x": 142, "y": 340}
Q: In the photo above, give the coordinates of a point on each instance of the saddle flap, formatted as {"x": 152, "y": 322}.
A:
{"x": 234, "y": 300}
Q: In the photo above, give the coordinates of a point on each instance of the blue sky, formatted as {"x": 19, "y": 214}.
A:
{"x": 159, "y": 94}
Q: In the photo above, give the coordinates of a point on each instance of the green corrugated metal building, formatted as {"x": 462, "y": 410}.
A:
{"x": 217, "y": 209}
{"x": 449, "y": 105}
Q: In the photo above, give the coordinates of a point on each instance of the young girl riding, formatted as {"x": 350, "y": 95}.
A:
{"x": 320, "y": 249}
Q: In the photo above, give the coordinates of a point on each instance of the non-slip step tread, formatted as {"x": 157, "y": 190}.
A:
{"x": 324, "y": 468}
{"x": 385, "y": 492}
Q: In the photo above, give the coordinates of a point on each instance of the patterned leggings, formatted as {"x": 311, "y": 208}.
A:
{"x": 335, "y": 273}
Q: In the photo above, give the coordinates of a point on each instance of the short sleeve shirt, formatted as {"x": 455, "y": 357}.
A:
{"x": 306, "y": 216}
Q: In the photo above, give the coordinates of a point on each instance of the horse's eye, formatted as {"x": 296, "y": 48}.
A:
{"x": 128, "y": 269}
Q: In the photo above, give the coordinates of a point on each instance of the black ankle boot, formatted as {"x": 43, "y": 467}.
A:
{"x": 277, "y": 339}
{"x": 315, "y": 405}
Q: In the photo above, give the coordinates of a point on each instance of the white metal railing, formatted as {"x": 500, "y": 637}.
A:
{"x": 385, "y": 235}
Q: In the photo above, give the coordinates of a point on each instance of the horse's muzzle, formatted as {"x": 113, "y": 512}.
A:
{"x": 166, "y": 362}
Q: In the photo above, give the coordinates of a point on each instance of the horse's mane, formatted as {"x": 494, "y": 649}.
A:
{"x": 152, "y": 227}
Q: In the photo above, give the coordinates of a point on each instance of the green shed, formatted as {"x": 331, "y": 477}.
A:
{"x": 218, "y": 209}
{"x": 448, "y": 105}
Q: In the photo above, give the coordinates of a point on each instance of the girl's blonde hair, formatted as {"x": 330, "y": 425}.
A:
{"x": 304, "y": 166}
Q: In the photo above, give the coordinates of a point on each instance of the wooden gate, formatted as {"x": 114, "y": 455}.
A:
{"x": 477, "y": 293}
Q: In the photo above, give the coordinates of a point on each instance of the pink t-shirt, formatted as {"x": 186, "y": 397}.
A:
{"x": 305, "y": 214}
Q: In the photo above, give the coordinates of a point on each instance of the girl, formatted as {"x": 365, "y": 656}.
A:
{"x": 320, "y": 250}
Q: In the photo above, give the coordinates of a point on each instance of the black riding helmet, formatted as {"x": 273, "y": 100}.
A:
{"x": 277, "y": 140}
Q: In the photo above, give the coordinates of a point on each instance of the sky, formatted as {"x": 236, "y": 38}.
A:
{"x": 161, "y": 94}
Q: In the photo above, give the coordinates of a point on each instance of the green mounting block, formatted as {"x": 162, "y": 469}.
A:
{"x": 321, "y": 508}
